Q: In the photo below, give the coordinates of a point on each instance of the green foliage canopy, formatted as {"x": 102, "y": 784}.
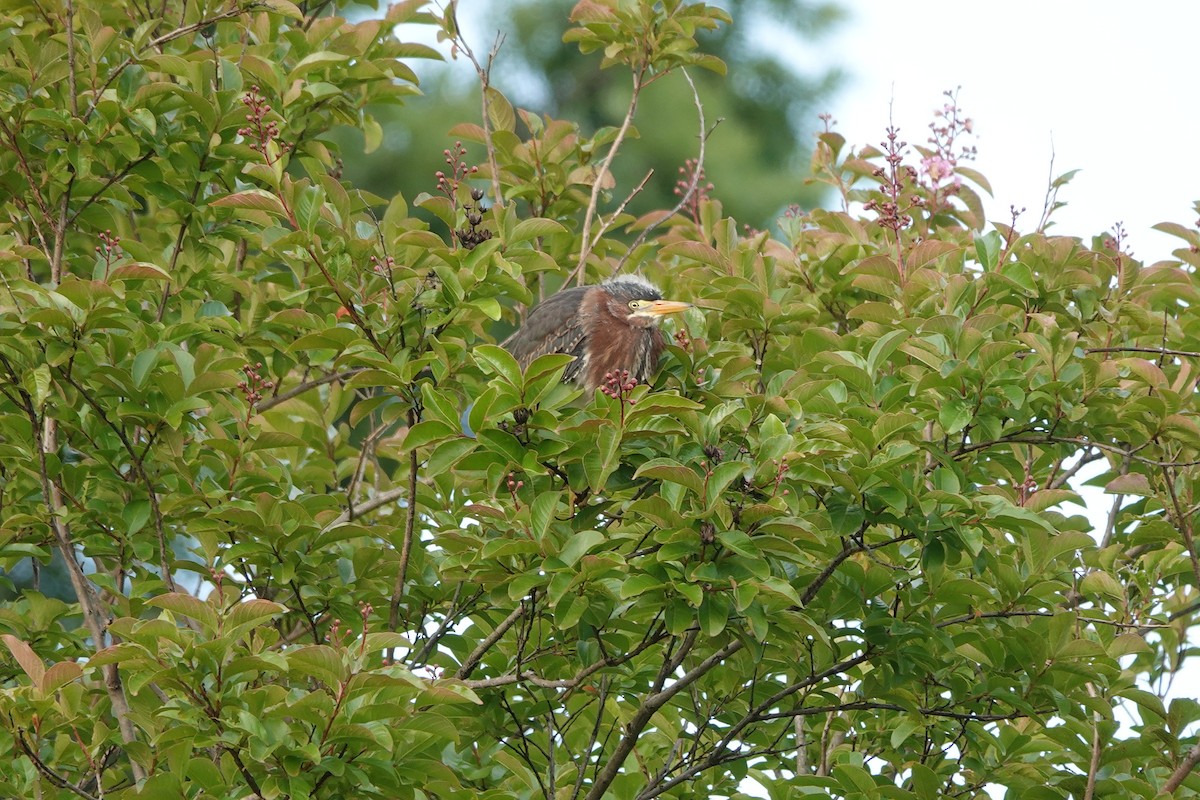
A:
{"x": 827, "y": 550}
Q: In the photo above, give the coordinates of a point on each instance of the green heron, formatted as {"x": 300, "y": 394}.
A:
{"x": 609, "y": 327}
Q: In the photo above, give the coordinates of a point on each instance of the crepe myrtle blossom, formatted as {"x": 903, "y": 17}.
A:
{"x": 939, "y": 169}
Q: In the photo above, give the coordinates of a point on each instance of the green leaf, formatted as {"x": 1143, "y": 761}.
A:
{"x": 541, "y": 512}
{"x": 498, "y": 361}
{"x": 500, "y": 111}
{"x": 138, "y": 271}
{"x": 664, "y": 469}
{"x": 320, "y": 662}
{"x": 308, "y": 207}
{"x": 427, "y": 432}
{"x": 252, "y": 199}
{"x": 535, "y": 228}
{"x": 23, "y": 654}
{"x": 579, "y": 544}
{"x": 187, "y": 606}
{"x": 142, "y": 364}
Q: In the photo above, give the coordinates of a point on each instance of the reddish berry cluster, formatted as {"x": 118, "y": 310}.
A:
{"x": 514, "y": 486}
{"x": 382, "y": 266}
{"x": 448, "y": 184}
{"x": 617, "y": 384}
{"x": 260, "y": 131}
{"x": 781, "y": 468}
{"x": 109, "y": 248}
{"x": 894, "y": 177}
{"x": 692, "y": 171}
{"x": 253, "y": 387}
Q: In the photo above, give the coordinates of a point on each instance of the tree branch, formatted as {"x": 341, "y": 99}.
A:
{"x": 756, "y": 714}
{"x": 481, "y": 649}
{"x": 653, "y": 703}
{"x": 1183, "y": 770}
{"x": 406, "y": 546}
{"x": 301, "y": 388}
{"x": 691, "y": 189}
{"x": 598, "y": 185}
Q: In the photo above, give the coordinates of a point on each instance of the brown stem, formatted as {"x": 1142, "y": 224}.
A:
{"x": 1159, "y": 351}
{"x": 301, "y": 388}
{"x": 654, "y": 702}
{"x": 1097, "y": 746}
{"x": 1183, "y": 770}
{"x": 598, "y": 185}
{"x": 71, "y": 88}
{"x": 89, "y": 602}
{"x": 691, "y": 189}
{"x": 481, "y": 649}
{"x": 485, "y": 83}
{"x": 406, "y": 547}
{"x": 183, "y": 30}
{"x": 1184, "y": 523}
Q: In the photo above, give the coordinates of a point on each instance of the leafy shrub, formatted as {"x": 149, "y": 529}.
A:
{"x": 828, "y": 550}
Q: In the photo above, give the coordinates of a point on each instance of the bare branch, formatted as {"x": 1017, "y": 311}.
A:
{"x": 653, "y": 703}
{"x": 1183, "y": 770}
{"x": 410, "y": 520}
{"x": 301, "y": 388}
{"x": 485, "y": 83}
{"x": 481, "y": 649}
{"x": 598, "y": 185}
{"x": 695, "y": 182}
{"x": 1160, "y": 351}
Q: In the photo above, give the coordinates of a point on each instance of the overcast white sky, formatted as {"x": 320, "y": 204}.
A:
{"x": 1111, "y": 87}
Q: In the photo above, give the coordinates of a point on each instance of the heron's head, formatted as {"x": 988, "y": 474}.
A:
{"x": 637, "y": 302}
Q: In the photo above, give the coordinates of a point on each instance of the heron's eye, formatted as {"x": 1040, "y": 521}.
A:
{"x": 634, "y": 305}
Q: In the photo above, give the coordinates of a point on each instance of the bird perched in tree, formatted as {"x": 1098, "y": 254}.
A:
{"x": 608, "y": 327}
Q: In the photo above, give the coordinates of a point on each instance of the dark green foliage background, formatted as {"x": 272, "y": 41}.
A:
{"x": 828, "y": 550}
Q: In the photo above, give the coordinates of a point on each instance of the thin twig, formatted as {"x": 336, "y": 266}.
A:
{"x": 114, "y": 179}
{"x": 140, "y": 470}
{"x": 406, "y": 546}
{"x": 573, "y": 682}
{"x": 1051, "y": 194}
{"x": 695, "y": 182}
{"x": 71, "y": 87}
{"x": 651, "y": 704}
{"x": 1159, "y": 351}
{"x": 1097, "y": 744}
{"x": 155, "y": 43}
{"x": 45, "y": 770}
{"x": 1139, "y": 626}
{"x": 598, "y": 184}
{"x": 485, "y": 83}
{"x": 472, "y": 661}
{"x": 299, "y": 389}
{"x": 1183, "y": 523}
{"x": 1182, "y": 771}
{"x": 756, "y": 714}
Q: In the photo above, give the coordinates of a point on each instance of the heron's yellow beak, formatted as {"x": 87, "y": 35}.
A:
{"x": 661, "y": 308}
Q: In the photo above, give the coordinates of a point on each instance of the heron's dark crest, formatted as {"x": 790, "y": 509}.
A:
{"x": 608, "y": 327}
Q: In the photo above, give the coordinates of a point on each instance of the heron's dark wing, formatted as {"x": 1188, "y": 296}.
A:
{"x": 553, "y": 326}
